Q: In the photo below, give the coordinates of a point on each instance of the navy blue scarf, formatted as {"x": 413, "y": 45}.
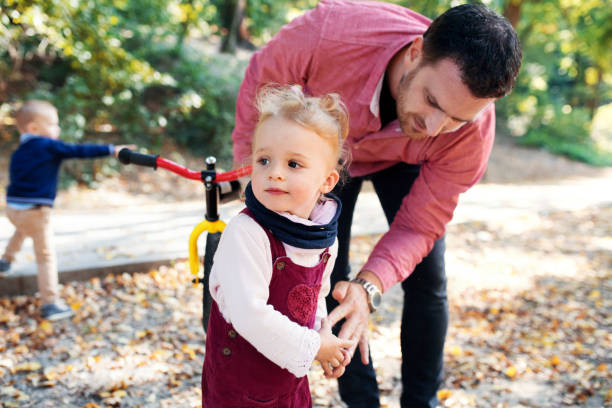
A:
{"x": 294, "y": 233}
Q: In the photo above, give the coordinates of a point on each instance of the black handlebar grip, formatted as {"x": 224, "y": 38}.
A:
{"x": 229, "y": 191}
{"x": 126, "y": 156}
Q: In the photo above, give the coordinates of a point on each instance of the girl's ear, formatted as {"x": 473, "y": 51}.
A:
{"x": 330, "y": 181}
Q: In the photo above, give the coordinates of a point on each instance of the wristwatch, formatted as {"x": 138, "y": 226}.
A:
{"x": 374, "y": 295}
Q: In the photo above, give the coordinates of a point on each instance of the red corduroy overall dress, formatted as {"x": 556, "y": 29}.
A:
{"x": 235, "y": 374}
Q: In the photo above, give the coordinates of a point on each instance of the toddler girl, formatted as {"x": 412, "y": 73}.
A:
{"x": 271, "y": 271}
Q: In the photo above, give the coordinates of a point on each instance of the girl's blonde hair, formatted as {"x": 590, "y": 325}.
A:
{"x": 326, "y": 115}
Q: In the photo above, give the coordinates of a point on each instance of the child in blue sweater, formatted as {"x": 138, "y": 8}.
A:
{"x": 30, "y": 195}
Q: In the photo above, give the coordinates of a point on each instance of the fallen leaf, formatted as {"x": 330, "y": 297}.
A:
{"x": 46, "y": 327}
{"x": 444, "y": 394}
{"x": 510, "y": 372}
{"x": 555, "y": 360}
{"x": 456, "y": 351}
{"x": 30, "y": 366}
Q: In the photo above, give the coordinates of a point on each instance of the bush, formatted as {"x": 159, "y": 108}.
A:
{"x": 200, "y": 109}
{"x": 117, "y": 76}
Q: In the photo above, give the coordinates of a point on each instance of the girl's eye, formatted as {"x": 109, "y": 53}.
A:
{"x": 294, "y": 164}
{"x": 263, "y": 161}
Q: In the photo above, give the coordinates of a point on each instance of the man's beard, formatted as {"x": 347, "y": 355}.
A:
{"x": 408, "y": 129}
{"x": 406, "y": 119}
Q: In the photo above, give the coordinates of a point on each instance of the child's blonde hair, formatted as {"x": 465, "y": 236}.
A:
{"x": 325, "y": 115}
{"x": 31, "y": 111}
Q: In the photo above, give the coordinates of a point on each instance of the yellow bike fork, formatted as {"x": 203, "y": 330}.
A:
{"x": 209, "y": 226}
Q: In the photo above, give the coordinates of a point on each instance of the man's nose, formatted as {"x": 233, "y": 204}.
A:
{"x": 435, "y": 122}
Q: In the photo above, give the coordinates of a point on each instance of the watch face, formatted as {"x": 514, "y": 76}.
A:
{"x": 376, "y": 299}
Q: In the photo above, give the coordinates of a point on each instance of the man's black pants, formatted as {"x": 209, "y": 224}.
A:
{"x": 425, "y": 313}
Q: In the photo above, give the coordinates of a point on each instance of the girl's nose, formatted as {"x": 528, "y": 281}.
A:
{"x": 276, "y": 173}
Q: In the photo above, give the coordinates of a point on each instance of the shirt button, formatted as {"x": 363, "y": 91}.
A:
{"x": 227, "y": 351}
{"x": 231, "y": 334}
{"x": 280, "y": 265}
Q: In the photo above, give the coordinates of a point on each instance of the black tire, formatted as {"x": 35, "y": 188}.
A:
{"x": 212, "y": 242}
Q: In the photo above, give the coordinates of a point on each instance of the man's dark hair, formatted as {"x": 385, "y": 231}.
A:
{"x": 481, "y": 42}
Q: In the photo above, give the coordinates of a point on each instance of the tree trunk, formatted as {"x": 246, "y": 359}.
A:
{"x": 512, "y": 11}
{"x": 230, "y": 18}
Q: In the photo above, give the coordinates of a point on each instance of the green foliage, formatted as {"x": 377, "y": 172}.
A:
{"x": 568, "y": 133}
{"x": 430, "y": 9}
{"x": 201, "y": 107}
{"x": 566, "y": 76}
{"x": 266, "y": 17}
{"x": 136, "y": 70}
{"x": 119, "y": 71}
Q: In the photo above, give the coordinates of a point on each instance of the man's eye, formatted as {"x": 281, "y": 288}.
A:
{"x": 294, "y": 164}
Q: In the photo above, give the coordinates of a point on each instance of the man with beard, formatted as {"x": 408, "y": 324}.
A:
{"x": 420, "y": 96}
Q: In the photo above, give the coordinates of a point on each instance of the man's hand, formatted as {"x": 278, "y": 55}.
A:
{"x": 354, "y": 307}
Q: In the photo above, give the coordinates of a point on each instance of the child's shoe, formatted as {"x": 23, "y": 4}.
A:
{"x": 56, "y": 311}
{"x": 5, "y": 266}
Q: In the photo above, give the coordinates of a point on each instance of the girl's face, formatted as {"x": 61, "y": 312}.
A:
{"x": 292, "y": 167}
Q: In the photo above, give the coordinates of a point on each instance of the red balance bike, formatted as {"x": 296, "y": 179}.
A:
{"x": 219, "y": 187}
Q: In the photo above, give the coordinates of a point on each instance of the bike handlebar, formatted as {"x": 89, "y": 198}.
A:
{"x": 127, "y": 156}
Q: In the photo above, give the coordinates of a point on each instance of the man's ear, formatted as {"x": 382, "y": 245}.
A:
{"x": 330, "y": 182}
{"x": 415, "y": 51}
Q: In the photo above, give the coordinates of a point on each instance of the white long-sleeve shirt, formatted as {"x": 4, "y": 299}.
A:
{"x": 239, "y": 283}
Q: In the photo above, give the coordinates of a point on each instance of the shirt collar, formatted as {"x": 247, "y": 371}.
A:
{"x": 371, "y": 90}
{"x": 25, "y": 137}
{"x": 323, "y": 212}
{"x": 375, "y": 102}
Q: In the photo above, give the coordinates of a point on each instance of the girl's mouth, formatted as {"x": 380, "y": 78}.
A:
{"x": 275, "y": 191}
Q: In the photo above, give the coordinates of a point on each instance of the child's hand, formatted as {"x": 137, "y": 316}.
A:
{"x": 333, "y": 351}
{"x": 119, "y": 147}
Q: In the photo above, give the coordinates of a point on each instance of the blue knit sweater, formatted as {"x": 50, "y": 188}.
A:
{"x": 35, "y": 165}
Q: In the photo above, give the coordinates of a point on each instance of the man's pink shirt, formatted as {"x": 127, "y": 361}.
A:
{"x": 345, "y": 47}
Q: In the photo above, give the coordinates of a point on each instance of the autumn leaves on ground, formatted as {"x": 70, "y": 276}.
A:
{"x": 531, "y": 311}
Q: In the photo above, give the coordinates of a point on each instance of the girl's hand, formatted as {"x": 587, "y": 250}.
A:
{"x": 333, "y": 351}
